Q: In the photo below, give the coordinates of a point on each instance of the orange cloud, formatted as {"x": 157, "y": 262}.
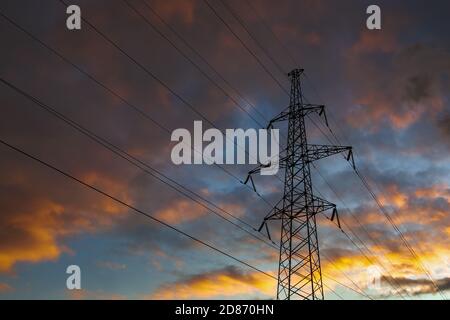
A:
{"x": 430, "y": 239}
{"x": 391, "y": 265}
{"x": 181, "y": 211}
{"x": 393, "y": 197}
{"x": 38, "y": 231}
{"x": 31, "y": 231}
{"x": 406, "y": 209}
{"x": 435, "y": 191}
{"x": 228, "y": 282}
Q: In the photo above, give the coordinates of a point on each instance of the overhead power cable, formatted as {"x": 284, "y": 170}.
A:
{"x": 389, "y": 218}
{"x": 137, "y": 109}
{"x": 133, "y": 208}
{"x": 218, "y": 86}
{"x": 216, "y": 13}
{"x": 264, "y": 22}
{"x": 136, "y": 162}
{"x": 203, "y": 59}
{"x": 260, "y": 46}
{"x": 220, "y": 18}
{"x": 154, "y": 77}
{"x": 187, "y": 192}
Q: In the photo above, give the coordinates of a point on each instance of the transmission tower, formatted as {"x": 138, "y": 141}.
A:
{"x": 299, "y": 272}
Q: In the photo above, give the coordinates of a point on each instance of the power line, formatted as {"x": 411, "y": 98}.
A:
{"x": 282, "y": 45}
{"x": 364, "y": 229}
{"x": 155, "y": 77}
{"x": 382, "y": 209}
{"x": 337, "y": 294}
{"x": 138, "y": 211}
{"x": 126, "y": 156}
{"x": 298, "y": 207}
{"x": 242, "y": 23}
{"x": 203, "y": 59}
{"x": 186, "y": 43}
{"x": 388, "y": 217}
{"x": 402, "y": 237}
{"x": 148, "y": 22}
{"x": 395, "y": 286}
{"x": 361, "y": 291}
{"x": 133, "y": 160}
{"x": 118, "y": 96}
{"x": 362, "y": 242}
{"x": 145, "y": 69}
{"x": 346, "y": 286}
{"x": 129, "y": 206}
{"x": 356, "y": 171}
{"x": 155, "y": 29}
{"x": 216, "y": 13}
{"x": 367, "y": 186}
{"x": 112, "y": 148}
{"x": 245, "y": 46}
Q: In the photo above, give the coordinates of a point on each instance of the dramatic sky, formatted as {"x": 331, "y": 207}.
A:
{"x": 386, "y": 92}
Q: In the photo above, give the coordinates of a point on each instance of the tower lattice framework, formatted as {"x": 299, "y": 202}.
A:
{"x": 299, "y": 270}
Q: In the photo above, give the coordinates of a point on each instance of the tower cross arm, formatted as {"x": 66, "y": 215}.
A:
{"x": 321, "y": 205}
{"x": 316, "y": 152}
{"x": 282, "y": 116}
{"x": 300, "y": 109}
{"x": 257, "y": 169}
{"x": 274, "y": 214}
{"x": 314, "y": 108}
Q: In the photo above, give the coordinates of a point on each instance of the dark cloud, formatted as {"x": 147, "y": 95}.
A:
{"x": 418, "y": 88}
{"x": 418, "y": 286}
{"x": 444, "y": 127}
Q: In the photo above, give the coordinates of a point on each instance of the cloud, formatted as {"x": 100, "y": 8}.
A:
{"x": 32, "y": 231}
{"x": 444, "y": 128}
{"x": 227, "y": 282}
{"x": 398, "y": 95}
{"x": 418, "y": 286}
{"x": 181, "y": 211}
{"x": 29, "y": 235}
{"x": 177, "y": 10}
{"x": 422, "y": 206}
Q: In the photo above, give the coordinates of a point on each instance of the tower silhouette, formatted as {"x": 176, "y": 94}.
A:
{"x": 299, "y": 271}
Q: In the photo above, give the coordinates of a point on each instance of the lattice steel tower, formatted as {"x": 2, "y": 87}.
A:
{"x": 299, "y": 274}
